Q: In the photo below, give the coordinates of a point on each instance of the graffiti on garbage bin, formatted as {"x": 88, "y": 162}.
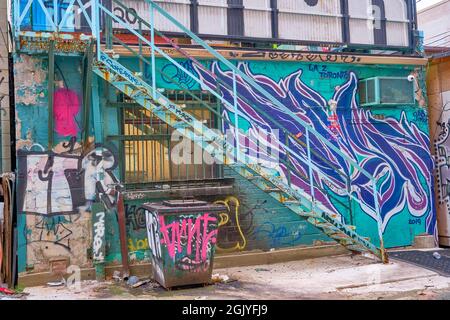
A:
{"x": 188, "y": 240}
{"x": 154, "y": 242}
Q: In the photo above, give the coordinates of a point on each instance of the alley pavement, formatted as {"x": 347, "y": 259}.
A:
{"x": 341, "y": 277}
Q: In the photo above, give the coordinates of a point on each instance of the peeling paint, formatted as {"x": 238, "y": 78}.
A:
{"x": 30, "y": 80}
{"x": 49, "y": 237}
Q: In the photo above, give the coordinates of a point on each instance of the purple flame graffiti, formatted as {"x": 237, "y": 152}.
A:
{"x": 393, "y": 150}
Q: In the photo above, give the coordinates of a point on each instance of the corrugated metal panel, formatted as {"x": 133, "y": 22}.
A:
{"x": 322, "y": 22}
{"x": 332, "y": 7}
{"x": 212, "y": 17}
{"x": 257, "y": 4}
{"x": 359, "y": 21}
{"x": 309, "y": 28}
{"x": 360, "y": 33}
{"x": 177, "y": 8}
{"x": 141, "y": 7}
{"x": 257, "y": 18}
{"x": 397, "y": 26}
{"x": 297, "y": 20}
{"x": 397, "y": 34}
{"x": 359, "y": 8}
{"x": 396, "y": 10}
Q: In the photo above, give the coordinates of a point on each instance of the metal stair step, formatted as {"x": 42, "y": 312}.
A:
{"x": 356, "y": 247}
{"x": 181, "y": 125}
{"x": 202, "y": 139}
{"x": 345, "y": 241}
{"x": 310, "y": 214}
{"x": 274, "y": 190}
{"x": 252, "y": 178}
{"x": 338, "y": 235}
{"x": 334, "y": 216}
{"x": 292, "y": 202}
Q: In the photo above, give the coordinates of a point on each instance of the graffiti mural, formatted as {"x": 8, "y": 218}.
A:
{"x": 235, "y": 225}
{"x": 54, "y": 230}
{"x": 279, "y": 235}
{"x": 54, "y": 184}
{"x": 187, "y": 239}
{"x": 171, "y": 73}
{"x": 138, "y": 245}
{"x": 393, "y": 149}
{"x": 155, "y": 243}
{"x": 442, "y": 147}
{"x": 99, "y": 233}
{"x": 135, "y": 217}
{"x": 65, "y": 109}
{"x": 47, "y": 237}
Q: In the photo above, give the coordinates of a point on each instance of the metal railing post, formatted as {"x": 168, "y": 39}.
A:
{"x": 311, "y": 175}
{"x": 16, "y": 17}
{"x": 288, "y": 157}
{"x": 55, "y": 14}
{"x": 108, "y": 32}
{"x": 96, "y": 25}
{"x": 384, "y": 257}
{"x": 152, "y": 49}
{"x": 349, "y": 192}
{"x": 236, "y": 117}
{"x": 141, "y": 64}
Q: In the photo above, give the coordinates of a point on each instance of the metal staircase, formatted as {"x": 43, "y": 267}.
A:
{"x": 271, "y": 179}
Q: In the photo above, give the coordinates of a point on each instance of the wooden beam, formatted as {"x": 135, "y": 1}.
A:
{"x": 293, "y": 56}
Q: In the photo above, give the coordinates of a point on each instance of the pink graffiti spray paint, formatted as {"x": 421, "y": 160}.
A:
{"x": 189, "y": 234}
{"x": 65, "y": 108}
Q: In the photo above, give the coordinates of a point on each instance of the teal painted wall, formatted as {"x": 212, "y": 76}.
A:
{"x": 255, "y": 220}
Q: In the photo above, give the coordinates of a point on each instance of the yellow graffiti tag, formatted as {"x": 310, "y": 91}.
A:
{"x": 225, "y": 218}
{"x": 137, "y": 245}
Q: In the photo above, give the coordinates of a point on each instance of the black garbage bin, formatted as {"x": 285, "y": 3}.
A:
{"x": 182, "y": 236}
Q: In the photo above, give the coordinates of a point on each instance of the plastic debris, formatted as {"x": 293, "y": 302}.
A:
{"x": 132, "y": 280}
{"x": 116, "y": 276}
{"x": 140, "y": 283}
{"x": 437, "y": 256}
{"x": 6, "y": 291}
{"x": 57, "y": 283}
{"x": 217, "y": 278}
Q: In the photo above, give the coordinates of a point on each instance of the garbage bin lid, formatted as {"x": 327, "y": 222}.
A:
{"x": 183, "y": 206}
{"x": 184, "y": 203}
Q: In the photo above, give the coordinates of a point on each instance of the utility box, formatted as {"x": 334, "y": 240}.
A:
{"x": 182, "y": 236}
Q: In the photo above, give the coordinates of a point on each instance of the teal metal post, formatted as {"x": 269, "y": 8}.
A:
{"x": 88, "y": 95}
{"x": 16, "y": 22}
{"x": 51, "y": 89}
{"x": 152, "y": 41}
{"x": 98, "y": 133}
{"x": 311, "y": 175}
{"x": 98, "y": 243}
{"x": 55, "y": 13}
{"x": 236, "y": 118}
{"x": 96, "y": 25}
{"x": 384, "y": 256}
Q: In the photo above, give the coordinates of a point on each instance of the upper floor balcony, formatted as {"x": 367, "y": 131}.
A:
{"x": 344, "y": 25}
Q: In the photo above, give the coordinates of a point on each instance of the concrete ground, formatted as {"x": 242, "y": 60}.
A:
{"x": 342, "y": 277}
